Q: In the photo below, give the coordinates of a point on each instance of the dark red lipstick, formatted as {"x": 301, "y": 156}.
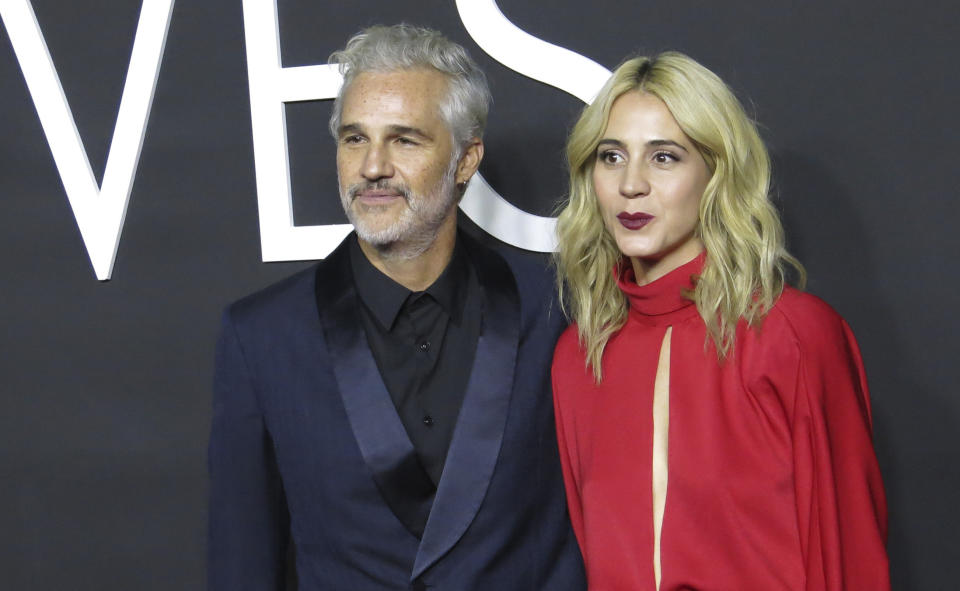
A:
{"x": 634, "y": 221}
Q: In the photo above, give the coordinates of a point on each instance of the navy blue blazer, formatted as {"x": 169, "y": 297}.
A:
{"x": 307, "y": 445}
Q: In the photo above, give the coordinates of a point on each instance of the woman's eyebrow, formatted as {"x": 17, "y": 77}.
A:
{"x": 655, "y": 143}
{"x": 667, "y": 143}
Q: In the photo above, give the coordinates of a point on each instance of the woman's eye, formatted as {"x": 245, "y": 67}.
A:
{"x": 610, "y": 157}
{"x": 664, "y": 158}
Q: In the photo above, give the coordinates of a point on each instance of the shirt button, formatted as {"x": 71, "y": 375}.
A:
{"x": 428, "y": 421}
{"x": 425, "y": 346}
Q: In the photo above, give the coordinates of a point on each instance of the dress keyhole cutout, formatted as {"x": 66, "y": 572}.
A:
{"x": 661, "y": 428}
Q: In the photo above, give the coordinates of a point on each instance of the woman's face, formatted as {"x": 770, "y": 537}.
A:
{"x": 649, "y": 178}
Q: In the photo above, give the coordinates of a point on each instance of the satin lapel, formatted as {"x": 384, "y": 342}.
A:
{"x": 479, "y": 432}
{"x": 383, "y": 441}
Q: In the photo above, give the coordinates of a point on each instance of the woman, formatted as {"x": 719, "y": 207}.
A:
{"x": 714, "y": 424}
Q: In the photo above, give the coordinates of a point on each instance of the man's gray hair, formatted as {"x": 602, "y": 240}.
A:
{"x": 405, "y": 47}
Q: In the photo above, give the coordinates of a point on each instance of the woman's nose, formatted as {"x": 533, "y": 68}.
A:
{"x": 633, "y": 182}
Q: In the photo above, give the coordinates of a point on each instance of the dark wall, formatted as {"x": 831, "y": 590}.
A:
{"x": 104, "y": 402}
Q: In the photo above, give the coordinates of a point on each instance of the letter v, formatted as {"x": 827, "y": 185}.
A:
{"x": 99, "y": 211}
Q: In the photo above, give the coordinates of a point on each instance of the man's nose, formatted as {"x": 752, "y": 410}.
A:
{"x": 376, "y": 164}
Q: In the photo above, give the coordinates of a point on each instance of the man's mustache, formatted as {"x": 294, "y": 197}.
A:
{"x": 381, "y": 185}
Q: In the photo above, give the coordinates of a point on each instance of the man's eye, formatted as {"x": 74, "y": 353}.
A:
{"x": 352, "y": 139}
{"x": 405, "y": 141}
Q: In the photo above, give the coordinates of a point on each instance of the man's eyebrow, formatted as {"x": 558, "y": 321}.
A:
{"x": 408, "y": 130}
{"x": 349, "y": 128}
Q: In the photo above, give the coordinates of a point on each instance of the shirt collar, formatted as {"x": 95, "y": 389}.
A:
{"x": 385, "y": 297}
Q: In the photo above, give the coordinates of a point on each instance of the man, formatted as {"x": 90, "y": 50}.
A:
{"x": 388, "y": 411}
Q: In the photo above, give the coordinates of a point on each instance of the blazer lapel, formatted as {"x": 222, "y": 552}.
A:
{"x": 479, "y": 432}
{"x": 380, "y": 434}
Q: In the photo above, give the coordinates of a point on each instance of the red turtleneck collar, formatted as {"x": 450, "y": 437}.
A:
{"x": 662, "y": 301}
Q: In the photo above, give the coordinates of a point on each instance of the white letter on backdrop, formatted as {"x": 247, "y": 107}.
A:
{"x": 271, "y": 85}
{"x": 542, "y": 61}
{"x": 99, "y": 211}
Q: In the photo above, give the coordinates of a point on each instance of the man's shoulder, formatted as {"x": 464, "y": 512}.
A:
{"x": 535, "y": 287}
{"x": 291, "y": 296}
{"x": 532, "y": 272}
{"x": 279, "y": 298}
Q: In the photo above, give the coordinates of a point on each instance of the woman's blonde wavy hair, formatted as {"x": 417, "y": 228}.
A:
{"x": 746, "y": 264}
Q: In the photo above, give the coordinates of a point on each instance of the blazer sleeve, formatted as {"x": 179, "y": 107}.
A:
{"x": 248, "y": 528}
{"x": 841, "y": 507}
{"x": 567, "y": 447}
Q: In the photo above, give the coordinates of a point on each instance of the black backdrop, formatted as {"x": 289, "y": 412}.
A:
{"x": 104, "y": 406}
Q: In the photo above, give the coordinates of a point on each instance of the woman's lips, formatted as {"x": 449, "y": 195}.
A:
{"x": 634, "y": 221}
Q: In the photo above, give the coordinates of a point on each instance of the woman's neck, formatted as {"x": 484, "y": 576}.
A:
{"x": 648, "y": 270}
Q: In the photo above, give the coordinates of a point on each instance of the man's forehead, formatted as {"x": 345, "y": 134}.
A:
{"x": 385, "y": 76}
{"x": 410, "y": 98}
{"x": 420, "y": 83}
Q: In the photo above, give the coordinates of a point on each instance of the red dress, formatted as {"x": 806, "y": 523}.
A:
{"x": 773, "y": 482}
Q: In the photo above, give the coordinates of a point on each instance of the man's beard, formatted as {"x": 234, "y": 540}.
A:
{"x": 415, "y": 229}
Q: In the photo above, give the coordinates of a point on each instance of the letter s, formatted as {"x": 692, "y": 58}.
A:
{"x": 537, "y": 59}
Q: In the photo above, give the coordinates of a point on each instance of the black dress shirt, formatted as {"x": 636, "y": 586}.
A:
{"x": 424, "y": 344}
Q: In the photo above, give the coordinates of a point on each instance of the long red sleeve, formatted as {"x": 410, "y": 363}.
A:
{"x": 841, "y": 508}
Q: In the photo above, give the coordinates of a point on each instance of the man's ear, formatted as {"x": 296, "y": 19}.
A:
{"x": 469, "y": 161}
